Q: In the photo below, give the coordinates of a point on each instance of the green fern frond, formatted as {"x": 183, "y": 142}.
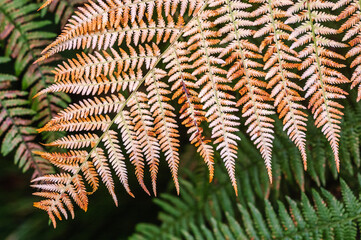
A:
{"x": 17, "y": 129}
{"x": 23, "y": 31}
{"x": 323, "y": 217}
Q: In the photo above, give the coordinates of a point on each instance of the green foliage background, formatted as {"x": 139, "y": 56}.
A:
{"x": 325, "y": 204}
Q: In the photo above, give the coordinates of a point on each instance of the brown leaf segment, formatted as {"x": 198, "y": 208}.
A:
{"x": 103, "y": 24}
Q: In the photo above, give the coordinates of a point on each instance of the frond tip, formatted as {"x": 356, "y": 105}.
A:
{"x": 45, "y": 4}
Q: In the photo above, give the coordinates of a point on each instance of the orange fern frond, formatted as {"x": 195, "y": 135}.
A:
{"x": 101, "y": 164}
{"x": 165, "y": 125}
{"x": 280, "y": 63}
{"x": 98, "y": 85}
{"x": 132, "y": 145}
{"x": 91, "y": 66}
{"x": 242, "y": 55}
{"x": 116, "y": 158}
{"x": 88, "y": 108}
{"x": 191, "y": 111}
{"x": 214, "y": 94}
{"x": 143, "y": 126}
{"x": 114, "y": 16}
{"x": 58, "y": 195}
{"x": 46, "y": 3}
{"x": 218, "y": 55}
{"x": 139, "y": 32}
{"x": 75, "y": 141}
{"x": 105, "y": 73}
{"x": 76, "y": 125}
{"x": 70, "y": 162}
{"x": 318, "y": 67}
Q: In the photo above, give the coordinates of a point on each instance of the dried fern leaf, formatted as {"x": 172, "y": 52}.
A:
{"x": 319, "y": 67}
{"x": 116, "y": 158}
{"x": 138, "y": 33}
{"x": 76, "y": 141}
{"x": 113, "y": 15}
{"x": 241, "y": 56}
{"x": 101, "y": 164}
{"x": 192, "y": 112}
{"x": 218, "y": 103}
{"x": 281, "y": 63}
{"x": 45, "y": 4}
{"x": 132, "y": 145}
{"x": 165, "y": 126}
{"x": 144, "y": 128}
{"x": 84, "y": 114}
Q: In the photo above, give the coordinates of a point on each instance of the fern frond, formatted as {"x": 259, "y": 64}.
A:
{"x": 45, "y": 4}
{"x": 87, "y": 108}
{"x": 101, "y": 165}
{"x": 96, "y": 86}
{"x": 88, "y": 73}
{"x": 208, "y": 54}
{"x": 143, "y": 126}
{"x": 133, "y": 146}
{"x": 91, "y": 66}
{"x": 164, "y": 123}
{"x": 59, "y": 196}
{"x": 165, "y": 126}
{"x": 17, "y": 130}
{"x": 113, "y": 15}
{"x": 191, "y": 111}
{"x": 217, "y": 102}
{"x": 116, "y": 158}
{"x": 82, "y": 124}
{"x": 241, "y": 58}
{"x": 281, "y": 62}
{"x": 352, "y": 27}
{"x": 139, "y": 32}
{"x": 319, "y": 68}
{"x": 75, "y": 141}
